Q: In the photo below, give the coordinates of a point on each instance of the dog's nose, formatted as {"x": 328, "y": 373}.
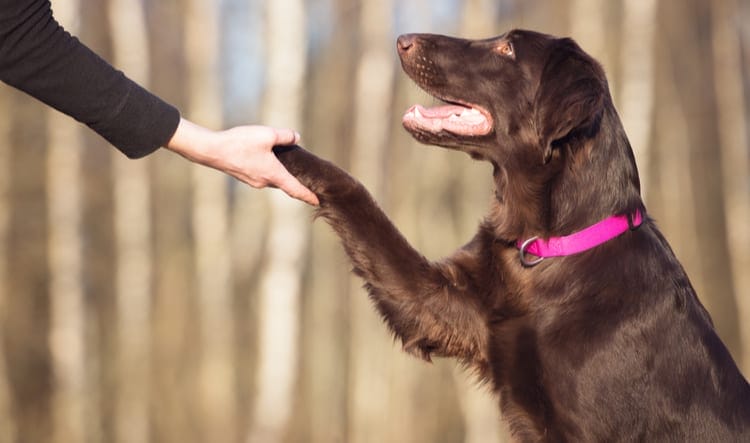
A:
{"x": 405, "y": 43}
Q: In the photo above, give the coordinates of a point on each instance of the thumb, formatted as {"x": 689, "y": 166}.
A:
{"x": 286, "y": 136}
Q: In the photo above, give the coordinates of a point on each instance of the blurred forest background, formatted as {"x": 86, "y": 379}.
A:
{"x": 154, "y": 300}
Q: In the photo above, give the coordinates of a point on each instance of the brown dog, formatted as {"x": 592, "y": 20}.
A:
{"x": 603, "y": 340}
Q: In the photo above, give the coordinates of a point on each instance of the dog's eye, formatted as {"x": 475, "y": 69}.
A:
{"x": 506, "y": 49}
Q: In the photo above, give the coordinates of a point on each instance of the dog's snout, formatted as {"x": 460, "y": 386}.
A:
{"x": 405, "y": 43}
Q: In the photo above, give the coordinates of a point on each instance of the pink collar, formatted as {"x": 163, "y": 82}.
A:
{"x": 580, "y": 241}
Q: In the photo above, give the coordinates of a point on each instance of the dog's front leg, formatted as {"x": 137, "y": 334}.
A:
{"x": 431, "y": 307}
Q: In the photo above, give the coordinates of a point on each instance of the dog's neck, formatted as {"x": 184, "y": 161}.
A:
{"x": 588, "y": 179}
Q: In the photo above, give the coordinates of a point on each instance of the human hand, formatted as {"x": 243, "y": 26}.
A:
{"x": 244, "y": 152}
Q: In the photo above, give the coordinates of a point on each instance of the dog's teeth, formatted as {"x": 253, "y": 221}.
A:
{"x": 417, "y": 114}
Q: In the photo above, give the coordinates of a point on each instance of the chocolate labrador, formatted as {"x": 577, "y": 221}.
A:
{"x": 568, "y": 300}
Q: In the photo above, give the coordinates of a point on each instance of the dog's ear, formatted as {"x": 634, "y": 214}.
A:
{"x": 570, "y": 97}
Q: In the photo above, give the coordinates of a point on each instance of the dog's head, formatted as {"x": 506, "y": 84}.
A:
{"x": 534, "y": 106}
{"x": 519, "y": 89}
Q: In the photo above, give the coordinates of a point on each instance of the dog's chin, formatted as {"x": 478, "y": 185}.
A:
{"x": 473, "y": 146}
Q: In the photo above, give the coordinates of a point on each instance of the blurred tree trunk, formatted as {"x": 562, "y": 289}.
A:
{"x": 279, "y": 303}
{"x": 637, "y": 97}
{"x": 174, "y": 354}
{"x": 588, "y": 27}
{"x": 734, "y": 153}
{"x": 7, "y": 424}
{"x": 68, "y": 318}
{"x": 216, "y": 381}
{"x": 26, "y": 322}
{"x": 72, "y": 405}
{"x": 374, "y": 83}
{"x": 326, "y": 328}
{"x": 132, "y": 217}
{"x": 242, "y": 67}
{"x": 687, "y": 33}
{"x": 98, "y": 247}
{"x": 550, "y": 17}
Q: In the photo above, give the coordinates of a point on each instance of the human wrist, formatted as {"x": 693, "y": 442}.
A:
{"x": 194, "y": 142}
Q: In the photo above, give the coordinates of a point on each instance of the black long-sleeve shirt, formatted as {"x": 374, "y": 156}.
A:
{"x": 40, "y": 58}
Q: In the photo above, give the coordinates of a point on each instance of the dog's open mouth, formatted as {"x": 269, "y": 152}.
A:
{"x": 456, "y": 118}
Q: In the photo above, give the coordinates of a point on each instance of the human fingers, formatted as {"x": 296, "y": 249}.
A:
{"x": 295, "y": 189}
{"x": 282, "y": 179}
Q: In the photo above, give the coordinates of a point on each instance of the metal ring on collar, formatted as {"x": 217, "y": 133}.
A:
{"x": 522, "y": 254}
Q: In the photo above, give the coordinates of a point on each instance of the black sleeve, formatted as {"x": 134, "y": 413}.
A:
{"x": 40, "y": 58}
